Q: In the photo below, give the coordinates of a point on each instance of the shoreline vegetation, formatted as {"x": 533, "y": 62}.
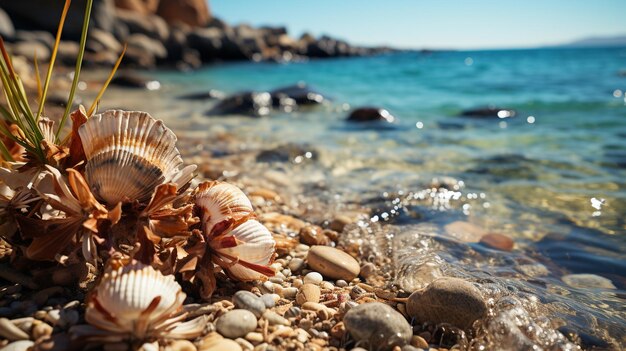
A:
{"x": 111, "y": 239}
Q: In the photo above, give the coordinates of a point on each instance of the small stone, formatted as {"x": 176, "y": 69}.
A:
{"x": 341, "y": 283}
{"x": 236, "y": 323}
{"x": 275, "y": 319}
{"x": 497, "y": 241}
{"x": 290, "y": 293}
{"x": 248, "y": 301}
{"x": 293, "y": 312}
{"x": 313, "y": 278}
{"x": 245, "y": 344}
{"x": 340, "y": 222}
{"x": 181, "y": 345}
{"x": 296, "y": 265}
{"x": 308, "y": 293}
{"x": 588, "y": 281}
{"x": 268, "y": 286}
{"x": 21, "y": 345}
{"x": 269, "y": 300}
{"x": 333, "y": 263}
{"x": 448, "y": 300}
{"x": 254, "y": 337}
{"x": 379, "y": 325}
{"x": 221, "y": 345}
{"x": 418, "y": 341}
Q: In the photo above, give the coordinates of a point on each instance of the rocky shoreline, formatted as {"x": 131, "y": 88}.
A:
{"x": 159, "y": 34}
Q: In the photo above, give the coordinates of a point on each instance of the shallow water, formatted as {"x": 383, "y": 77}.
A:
{"x": 552, "y": 177}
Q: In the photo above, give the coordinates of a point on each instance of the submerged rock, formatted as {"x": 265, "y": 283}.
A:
{"x": 249, "y": 103}
{"x": 448, "y": 300}
{"x": 288, "y": 153}
{"x": 130, "y": 80}
{"x": 371, "y": 114}
{"x": 301, "y": 93}
{"x": 488, "y": 112}
{"x": 379, "y": 325}
{"x": 203, "y": 95}
{"x": 588, "y": 281}
{"x": 498, "y": 241}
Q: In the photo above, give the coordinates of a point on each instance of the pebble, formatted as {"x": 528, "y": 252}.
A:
{"x": 341, "y": 283}
{"x": 21, "y": 345}
{"x": 254, "y": 337}
{"x": 313, "y": 278}
{"x": 339, "y": 223}
{"x": 448, "y": 300}
{"x": 290, "y": 293}
{"x": 181, "y": 345}
{"x": 221, "y": 345}
{"x": 275, "y": 319}
{"x": 588, "y": 281}
{"x": 249, "y": 301}
{"x": 269, "y": 300}
{"x": 464, "y": 231}
{"x": 497, "y": 241}
{"x": 379, "y": 325}
{"x": 333, "y": 263}
{"x": 296, "y": 265}
{"x": 245, "y": 344}
{"x": 268, "y": 286}
{"x": 308, "y": 293}
{"x": 236, "y": 323}
{"x": 10, "y": 331}
{"x": 418, "y": 341}
{"x": 293, "y": 312}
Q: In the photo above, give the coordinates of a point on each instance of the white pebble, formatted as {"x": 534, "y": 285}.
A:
{"x": 313, "y": 278}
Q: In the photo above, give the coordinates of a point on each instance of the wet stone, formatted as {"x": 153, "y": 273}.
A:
{"x": 588, "y": 281}
{"x": 448, "y": 300}
{"x": 268, "y": 300}
{"x": 379, "y": 325}
{"x": 248, "y": 301}
{"x": 236, "y": 323}
{"x": 333, "y": 263}
{"x": 497, "y": 241}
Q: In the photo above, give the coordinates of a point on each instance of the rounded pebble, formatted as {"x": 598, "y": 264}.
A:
{"x": 269, "y": 300}
{"x": 296, "y": 264}
{"x": 379, "y": 325}
{"x": 448, "y": 300}
{"x": 248, "y": 301}
{"x": 497, "y": 241}
{"x": 313, "y": 278}
{"x": 333, "y": 263}
{"x": 181, "y": 345}
{"x": 221, "y": 345}
{"x": 275, "y": 319}
{"x": 236, "y": 323}
{"x": 308, "y": 293}
{"x": 588, "y": 281}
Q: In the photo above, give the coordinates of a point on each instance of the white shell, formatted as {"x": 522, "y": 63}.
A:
{"x": 220, "y": 201}
{"x": 257, "y": 247}
{"x": 126, "y": 294}
{"x": 129, "y": 153}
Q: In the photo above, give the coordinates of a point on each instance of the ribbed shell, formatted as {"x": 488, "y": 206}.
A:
{"x": 219, "y": 201}
{"x": 129, "y": 153}
{"x": 257, "y": 248}
{"x": 127, "y": 292}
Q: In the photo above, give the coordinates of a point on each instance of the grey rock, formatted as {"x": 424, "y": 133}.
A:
{"x": 275, "y": 319}
{"x": 301, "y": 93}
{"x": 448, "y": 300}
{"x": 268, "y": 300}
{"x": 98, "y": 40}
{"x": 130, "y": 80}
{"x": 254, "y": 104}
{"x": 371, "y": 114}
{"x": 488, "y": 112}
{"x": 148, "y": 45}
{"x": 203, "y": 95}
{"x": 29, "y": 48}
{"x": 208, "y": 42}
{"x": 379, "y": 325}
{"x": 6, "y": 26}
{"x": 236, "y": 323}
{"x": 248, "y": 301}
{"x": 150, "y": 25}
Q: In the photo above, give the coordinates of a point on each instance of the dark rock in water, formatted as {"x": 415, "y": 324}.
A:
{"x": 448, "y": 300}
{"x": 489, "y": 112}
{"x": 203, "y": 95}
{"x": 288, "y": 153}
{"x": 497, "y": 241}
{"x": 246, "y": 103}
{"x": 6, "y": 26}
{"x": 507, "y": 167}
{"x": 622, "y": 73}
{"x": 129, "y": 80}
{"x": 370, "y": 114}
{"x": 301, "y": 93}
{"x": 379, "y": 325}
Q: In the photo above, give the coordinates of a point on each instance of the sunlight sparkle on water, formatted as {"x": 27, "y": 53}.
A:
{"x": 419, "y": 125}
{"x": 469, "y": 61}
{"x": 530, "y": 119}
{"x": 617, "y": 93}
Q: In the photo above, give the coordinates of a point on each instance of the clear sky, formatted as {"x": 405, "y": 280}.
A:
{"x": 435, "y": 23}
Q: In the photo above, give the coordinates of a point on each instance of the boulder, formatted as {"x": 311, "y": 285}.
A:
{"x": 148, "y": 45}
{"x": 130, "y": 80}
{"x": 45, "y": 14}
{"x": 301, "y": 93}
{"x": 208, "y": 42}
{"x": 176, "y": 44}
{"x": 287, "y": 153}
{"x": 7, "y": 30}
{"x": 254, "y": 104}
{"x": 370, "y": 114}
{"x": 68, "y": 52}
{"x": 27, "y": 49}
{"x": 140, "y": 6}
{"x": 36, "y": 35}
{"x": 488, "y": 112}
{"x": 99, "y": 40}
{"x": 150, "y": 25}
{"x": 191, "y": 12}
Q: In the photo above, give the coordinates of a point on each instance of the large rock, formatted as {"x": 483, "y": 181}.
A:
{"x": 140, "y": 6}
{"x": 192, "y": 12}
{"x": 379, "y": 325}
{"x": 301, "y": 93}
{"x": 7, "y": 30}
{"x": 36, "y": 35}
{"x": 371, "y": 114}
{"x": 448, "y": 300}
{"x": 247, "y": 103}
{"x": 130, "y": 80}
{"x": 45, "y": 14}
{"x": 99, "y": 40}
{"x": 208, "y": 42}
{"x": 147, "y": 45}
{"x": 150, "y": 25}
{"x": 488, "y": 112}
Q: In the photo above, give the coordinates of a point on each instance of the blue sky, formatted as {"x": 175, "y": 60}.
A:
{"x": 462, "y": 24}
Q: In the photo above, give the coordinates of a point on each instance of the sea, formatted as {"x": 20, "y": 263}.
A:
{"x": 552, "y": 177}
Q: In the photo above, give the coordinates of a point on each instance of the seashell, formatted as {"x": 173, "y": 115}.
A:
{"x": 128, "y": 154}
{"x": 136, "y": 299}
{"x": 246, "y": 251}
{"x": 221, "y": 205}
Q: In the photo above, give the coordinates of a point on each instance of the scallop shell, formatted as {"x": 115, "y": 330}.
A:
{"x": 128, "y": 154}
{"x": 136, "y": 299}
{"x": 223, "y": 203}
{"x": 249, "y": 255}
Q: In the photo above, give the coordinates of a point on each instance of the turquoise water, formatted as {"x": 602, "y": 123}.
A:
{"x": 553, "y": 177}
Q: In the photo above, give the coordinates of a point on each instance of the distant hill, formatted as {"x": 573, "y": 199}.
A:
{"x": 618, "y": 40}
